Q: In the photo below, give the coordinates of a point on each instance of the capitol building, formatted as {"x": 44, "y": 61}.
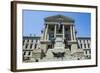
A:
{"x": 58, "y": 42}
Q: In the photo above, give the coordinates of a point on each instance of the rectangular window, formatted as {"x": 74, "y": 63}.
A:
{"x": 35, "y": 46}
{"x": 84, "y": 45}
{"x": 89, "y": 51}
{"x": 26, "y": 45}
{"x": 27, "y": 41}
{"x": 24, "y": 53}
{"x": 86, "y": 51}
{"x": 88, "y": 45}
{"x": 31, "y": 46}
{"x": 83, "y": 41}
{"x": 80, "y": 45}
{"x": 87, "y": 41}
{"x": 29, "y": 53}
{"x": 23, "y": 42}
{"x": 36, "y": 40}
{"x": 32, "y": 41}
{"x": 80, "y": 41}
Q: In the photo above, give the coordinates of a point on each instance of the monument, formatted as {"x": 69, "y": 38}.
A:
{"x": 59, "y": 36}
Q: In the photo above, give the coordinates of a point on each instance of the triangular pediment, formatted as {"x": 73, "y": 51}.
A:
{"x": 59, "y": 18}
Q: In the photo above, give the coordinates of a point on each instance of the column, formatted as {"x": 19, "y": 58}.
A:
{"x": 46, "y": 30}
{"x": 42, "y": 37}
{"x": 44, "y": 33}
{"x": 47, "y": 36}
{"x": 63, "y": 31}
{"x": 55, "y": 31}
{"x": 71, "y": 32}
{"x": 74, "y": 36}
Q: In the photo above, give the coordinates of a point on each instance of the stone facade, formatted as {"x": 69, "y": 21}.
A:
{"x": 58, "y": 42}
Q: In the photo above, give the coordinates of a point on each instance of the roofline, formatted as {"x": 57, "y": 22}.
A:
{"x": 83, "y": 37}
{"x": 47, "y": 18}
{"x": 31, "y": 37}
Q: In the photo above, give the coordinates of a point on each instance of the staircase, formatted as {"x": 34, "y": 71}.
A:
{"x": 59, "y": 47}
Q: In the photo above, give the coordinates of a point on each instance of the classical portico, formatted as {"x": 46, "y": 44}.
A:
{"x": 59, "y": 25}
{"x": 59, "y": 35}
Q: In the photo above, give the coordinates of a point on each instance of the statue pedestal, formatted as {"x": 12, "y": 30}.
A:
{"x": 59, "y": 45}
{"x": 58, "y": 51}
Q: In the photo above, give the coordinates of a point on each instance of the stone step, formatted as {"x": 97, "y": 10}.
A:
{"x": 68, "y": 52}
{"x": 49, "y": 53}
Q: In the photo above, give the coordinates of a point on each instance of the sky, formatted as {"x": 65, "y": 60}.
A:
{"x": 33, "y": 22}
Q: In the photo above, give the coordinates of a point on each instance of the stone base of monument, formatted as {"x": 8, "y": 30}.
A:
{"x": 59, "y": 53}
{"x": 58, "y": 56}
{"x": 62, "y": 54}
